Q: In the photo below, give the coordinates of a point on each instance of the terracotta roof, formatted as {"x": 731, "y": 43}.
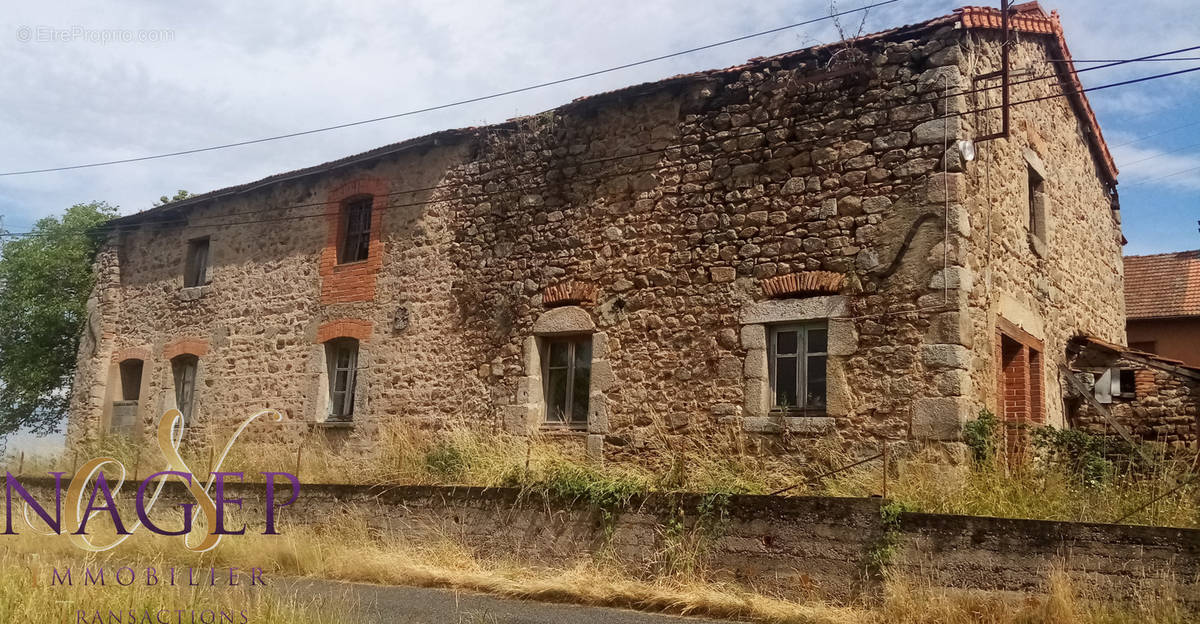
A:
{"x": 1162, "y": 285}
{"x": 1083, "y": 342}
{"x": 1028, "y": 18}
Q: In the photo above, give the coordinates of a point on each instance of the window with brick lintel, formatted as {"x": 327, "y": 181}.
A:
{"x": 356, "y": 231}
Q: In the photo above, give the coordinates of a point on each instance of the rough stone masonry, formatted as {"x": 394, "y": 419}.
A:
{"x": 788, "y": 251}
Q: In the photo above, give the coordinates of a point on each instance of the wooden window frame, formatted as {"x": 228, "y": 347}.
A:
{"x": 802, "y": 356}
{"x": 355, "y": 240}
{"x": 333, "y": 350}
{"x": 195, "y": 265}
{"x": 572, "y": 342}
{"x": 184, "y": 369}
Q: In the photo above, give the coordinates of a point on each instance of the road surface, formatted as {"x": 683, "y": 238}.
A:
{"x": 379, "y": 604}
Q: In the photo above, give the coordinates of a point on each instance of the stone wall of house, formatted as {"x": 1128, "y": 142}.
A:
{"x": 1064, "y": 283}
{"x": 674, "y": 202}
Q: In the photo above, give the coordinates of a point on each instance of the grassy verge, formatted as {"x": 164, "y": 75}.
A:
{"x": 23, "y": 600}
{"x": 349, "y": 551}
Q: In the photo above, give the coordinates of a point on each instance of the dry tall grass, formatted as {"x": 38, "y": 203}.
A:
{"x": 920, "y": 479}
{"x": 350, "y": 551}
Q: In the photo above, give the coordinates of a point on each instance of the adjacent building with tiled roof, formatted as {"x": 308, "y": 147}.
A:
{"x": 833, "y": 245}
{"x": 1162, "y": 304}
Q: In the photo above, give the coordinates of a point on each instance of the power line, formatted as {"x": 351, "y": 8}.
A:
{"x": 1162, "y": 153}
{"x": 650, "y": 152}
{"x": 1183, "y": 58}
{"x": 1160, "y": 133}
{"x": 455, "y": 103}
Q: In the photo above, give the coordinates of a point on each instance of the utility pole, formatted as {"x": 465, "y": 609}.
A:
{"x": 1003, "y": 73}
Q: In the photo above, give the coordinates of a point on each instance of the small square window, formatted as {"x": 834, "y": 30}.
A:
{"x": 195, "y": 269}
{"x": 798, "y": 358}
{"x": 356, "y": 235}
{"x": 568, "y": 376}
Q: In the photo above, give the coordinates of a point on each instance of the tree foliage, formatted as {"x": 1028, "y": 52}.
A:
{"x": 45, "y": 281}
{"x": 180, "y": 194}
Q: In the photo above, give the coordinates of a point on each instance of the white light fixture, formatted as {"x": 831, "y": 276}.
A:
{"x": 966, "y": 147}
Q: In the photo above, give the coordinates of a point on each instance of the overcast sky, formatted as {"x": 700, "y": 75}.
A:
{"x": 195, "y": 75}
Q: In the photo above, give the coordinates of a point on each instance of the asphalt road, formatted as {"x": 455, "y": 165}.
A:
{"x": 379, "y": 604}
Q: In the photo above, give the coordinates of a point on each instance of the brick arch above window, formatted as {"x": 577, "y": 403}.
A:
{"x": 352, "y": 281}
{"x": 344, "y": 328}
{"x": 186, "y": 346}
{"x": 131, "y": 353}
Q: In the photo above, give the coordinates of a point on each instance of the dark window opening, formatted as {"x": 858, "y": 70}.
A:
{"x": 195, "y": 270}
{"x": 1037, "y": 203}
{"x": 568, "y": 377}
{"x": 342, "y": 356}
{"x": 356, "y": 237}
{"x": 131, "y": 380}
{"x": 183, "y": 369}
{"x": 1128, "y": 381}
{"x": 798, "y": 358}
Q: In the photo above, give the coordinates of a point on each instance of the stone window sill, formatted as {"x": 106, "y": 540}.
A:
{"x": 564, "y": 429}
{"x": 348, "y": 265}
{"x": 790, "y": 422}
{"x": 332, "y": 424}
{"x": 192, "y": 293}
{"x": 1037, "y": 245}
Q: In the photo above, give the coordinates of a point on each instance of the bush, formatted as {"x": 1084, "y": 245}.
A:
{"x": 982, "y": 436}
{"x": 446, "y": 462}
{"x": 1080, "y": 454}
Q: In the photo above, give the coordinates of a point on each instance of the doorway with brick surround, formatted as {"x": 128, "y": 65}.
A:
{"x": 1021, "y": 398}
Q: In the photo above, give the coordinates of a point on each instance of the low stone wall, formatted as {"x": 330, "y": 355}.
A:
{"x": 799, "y": 547}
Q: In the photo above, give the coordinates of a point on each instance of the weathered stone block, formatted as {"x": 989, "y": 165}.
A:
{"x": 843, "y": 337}
{"x": 940, "y": 418}
{"x": 595, "y": 448}
{"x": 756, "y": 364}
{"x": 946, "y": 356}
{"x": 804, "y": 425}
{"x": 754, "y": 336}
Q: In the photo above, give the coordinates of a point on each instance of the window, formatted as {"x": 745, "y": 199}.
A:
{"x": 342, "y": 356}
{"x": 131, "y": 380}
{"x": 568, "y": 378}
{"x": 356, "y": 238}
{"x": 184, "y": 370}
{"x": 797, "y": 357}
{"x": 1037, "y": 203}
{"x": 195, "y": 269}
{"x": 1127, "y": 383}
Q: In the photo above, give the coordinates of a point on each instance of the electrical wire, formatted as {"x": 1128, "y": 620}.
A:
{"x": 471, "y": 100}
{"x": 664, "y": 166}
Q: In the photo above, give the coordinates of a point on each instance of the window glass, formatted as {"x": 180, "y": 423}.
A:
{"x": 356, "y": 239}
{"x": 195, "y": 270}
{"x": 184, "y": 369}
{"x": 797, "y": 364}
{"x": 568, "y": 376}
{"x": 342, "y": 356}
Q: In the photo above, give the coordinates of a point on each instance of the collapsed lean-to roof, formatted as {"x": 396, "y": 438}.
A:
{"x": 1163, "y": 285}
{"x": 1025, "y": 18}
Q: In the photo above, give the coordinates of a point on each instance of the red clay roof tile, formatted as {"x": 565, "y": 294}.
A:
{"x": 1162, "y": 285}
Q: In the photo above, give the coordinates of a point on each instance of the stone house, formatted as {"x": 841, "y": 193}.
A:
{"x": 1153, "y": 398}
{"x": 1162, "y": 302}
{"x": 828, "y": 244}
